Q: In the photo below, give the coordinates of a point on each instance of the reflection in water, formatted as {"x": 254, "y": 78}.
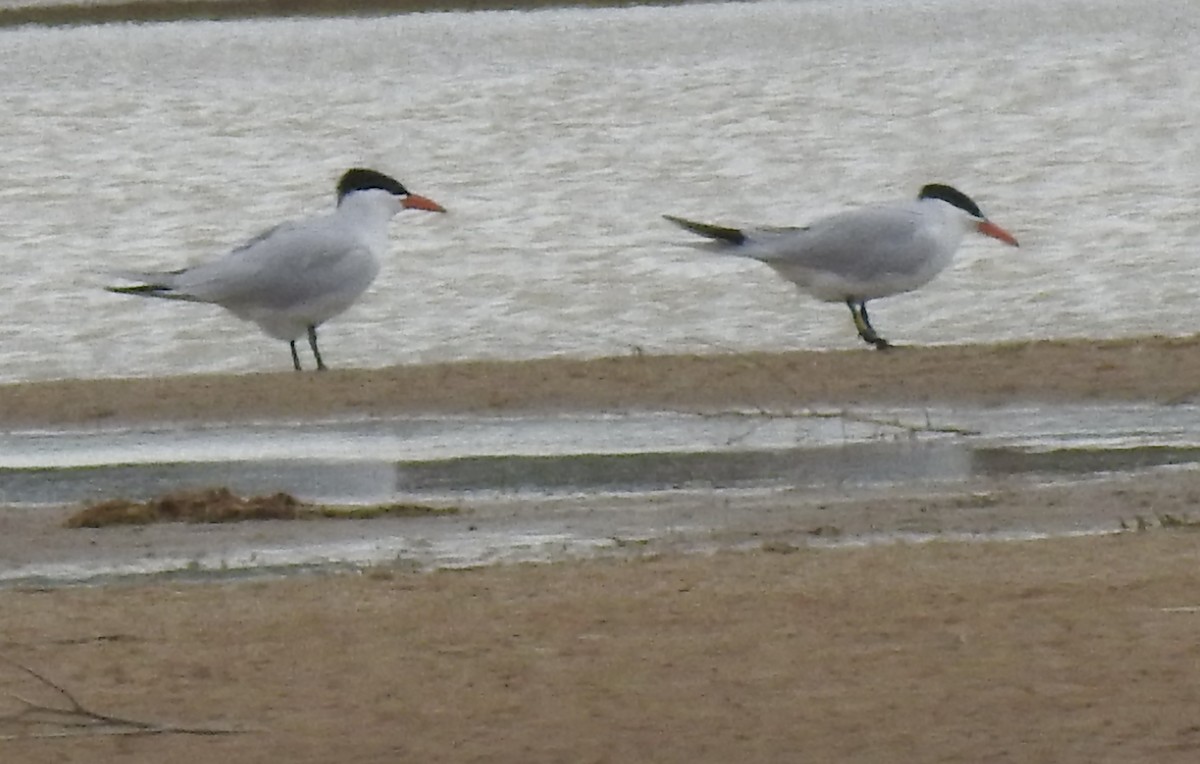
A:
{"x": 849, "y": 466}
{"x": 549, "y": 487}
{"x": 1078, "y": 462}
{"x": 387, "y": 460}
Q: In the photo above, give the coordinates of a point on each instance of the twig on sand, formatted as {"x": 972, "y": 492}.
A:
{"x": 71, "y": 718}
{"x": 845, "y": 415}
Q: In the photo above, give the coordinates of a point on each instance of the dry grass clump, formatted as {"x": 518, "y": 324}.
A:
{"x": 220, "y": 505}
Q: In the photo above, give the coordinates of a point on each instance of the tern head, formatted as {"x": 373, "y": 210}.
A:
{"x": 956, "y": 198}
{"x": 361, "y": 180}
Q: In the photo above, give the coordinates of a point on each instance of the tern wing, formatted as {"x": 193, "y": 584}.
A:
{"x": 285, "y": 267}
{"x": 858, "y": 244}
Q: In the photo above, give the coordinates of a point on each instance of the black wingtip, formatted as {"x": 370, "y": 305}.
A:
{"x": 141, "y": 290}
{"x": 720, "y": 233}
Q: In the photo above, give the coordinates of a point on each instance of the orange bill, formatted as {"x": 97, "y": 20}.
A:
{"x": 417, "y": 202}
{"x": 988, "y": 228}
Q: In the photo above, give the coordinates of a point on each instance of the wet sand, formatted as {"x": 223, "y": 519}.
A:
{"x": 1068, "y": 649}
{"x": 1155, "y": 369}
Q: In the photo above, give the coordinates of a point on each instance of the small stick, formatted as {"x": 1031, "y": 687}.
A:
{"x": 78, "y": 719}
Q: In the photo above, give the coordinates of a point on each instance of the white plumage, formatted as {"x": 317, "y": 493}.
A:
{"x": 863, "y": 254}
{"x": 292, "y": 278}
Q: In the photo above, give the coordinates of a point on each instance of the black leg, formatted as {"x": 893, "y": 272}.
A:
{"x": 312, "y": 343}
{"x": 862, "y": 322}
{"x": 295, "y": 355}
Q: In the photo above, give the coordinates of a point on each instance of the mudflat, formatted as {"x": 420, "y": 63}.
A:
{"x": 1064, "y": 649}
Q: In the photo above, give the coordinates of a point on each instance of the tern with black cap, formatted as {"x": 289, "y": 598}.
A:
{"x": 864, "y": 254}
{"x": 292, "y": 278}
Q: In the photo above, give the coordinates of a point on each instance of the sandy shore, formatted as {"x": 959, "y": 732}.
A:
{"x": 1070, "y": 650}
{"x": 1059, "y": 650}
{"x": 1155, "y": 369}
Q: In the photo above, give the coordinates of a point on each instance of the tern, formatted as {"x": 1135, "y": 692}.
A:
{"x": 292, "y": 278}
{"x": 860, "y": 255}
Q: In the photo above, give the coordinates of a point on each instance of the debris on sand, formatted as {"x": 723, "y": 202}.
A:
{"x": 220, "y": 505}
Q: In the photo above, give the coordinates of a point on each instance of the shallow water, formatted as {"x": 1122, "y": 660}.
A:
{"x": 539, "y": 456}
{"x": 555, "y": 487}
{"x": 558, "y": 137}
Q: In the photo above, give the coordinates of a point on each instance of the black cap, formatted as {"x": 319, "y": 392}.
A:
{"x": 951, "y": 195}
{"x": 361, "y": 179}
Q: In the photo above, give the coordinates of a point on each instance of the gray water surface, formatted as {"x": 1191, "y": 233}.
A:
{"x": 557, "y": 138}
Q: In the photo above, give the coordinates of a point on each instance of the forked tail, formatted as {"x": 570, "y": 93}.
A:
{"x": 145, "y": 290}
{"x": 154, "y": 285}
{"x": 707, "y": 230}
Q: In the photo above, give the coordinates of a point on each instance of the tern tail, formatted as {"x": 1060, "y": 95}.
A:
{"x": 144, "y": 290}
{"x": 720, "y": 233}
{"x": 154, "y": 290}
{"x": 155, "y": 285}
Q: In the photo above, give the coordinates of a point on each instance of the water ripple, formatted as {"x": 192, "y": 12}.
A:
{"x": 557, "y": 138}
